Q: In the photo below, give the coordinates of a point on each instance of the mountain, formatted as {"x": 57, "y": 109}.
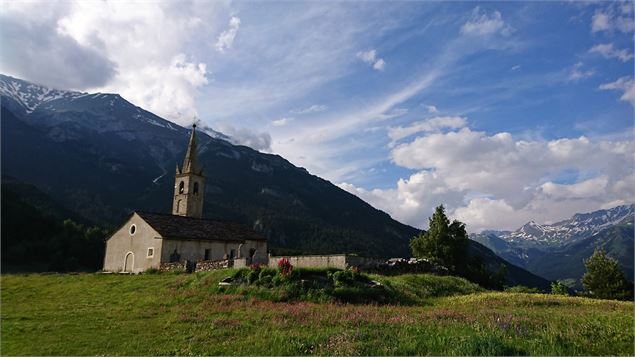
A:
{"x": 102, "y": 157}
{"x": 557, "y": 251}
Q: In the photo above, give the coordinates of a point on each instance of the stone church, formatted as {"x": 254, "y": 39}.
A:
{"x": 183, "y": 238}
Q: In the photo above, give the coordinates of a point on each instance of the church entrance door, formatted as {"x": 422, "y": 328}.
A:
{"x": 128, "y": 262}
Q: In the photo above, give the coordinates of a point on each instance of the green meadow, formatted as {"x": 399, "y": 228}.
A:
{"x": 180, "y": 314}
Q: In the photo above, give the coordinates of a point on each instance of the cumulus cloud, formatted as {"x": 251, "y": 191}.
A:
{"x": 59, "y": 61}
{"x": 226, "y": 38}
{"x": 482, "y": 23}
{"x": 136, "y": 49}
{"x": 608, "y": 51}
{"x": 577, "y": 72}
{"x": 260, "y": 141}
{"x": 430, "y": 125}
{"x": 626, "y": 85}
{"x": 315, "y": 108}
{"x": 370, "y": 57}
{"x": 499, "y": 181}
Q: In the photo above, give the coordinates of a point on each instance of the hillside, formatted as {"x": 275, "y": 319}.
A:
{"x": 166, "y": 314}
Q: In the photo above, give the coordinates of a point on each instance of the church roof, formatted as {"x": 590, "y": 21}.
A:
{"x": 187, "y": 228}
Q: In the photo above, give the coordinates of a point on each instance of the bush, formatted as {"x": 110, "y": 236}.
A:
{"x": 348, "y": 278}
{"x": 558, "y": 288}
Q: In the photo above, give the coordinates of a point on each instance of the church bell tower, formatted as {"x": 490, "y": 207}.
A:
{"x": 189, "y": 186}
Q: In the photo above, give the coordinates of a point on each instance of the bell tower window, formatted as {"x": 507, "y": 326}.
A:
{"x": 196, "y": 188}
{"x": 181, "y": 187}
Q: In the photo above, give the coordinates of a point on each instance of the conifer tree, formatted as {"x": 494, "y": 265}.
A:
{"x": 444, "y": 242}
{"x": 603, "y": 278}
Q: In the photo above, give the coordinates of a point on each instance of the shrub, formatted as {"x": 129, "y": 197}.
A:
{"x": 284, "y": 267}
{"x": 348, "y": 278}
{"x": 558, "y": 288}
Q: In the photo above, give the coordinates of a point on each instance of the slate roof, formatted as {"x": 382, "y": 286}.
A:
{"x": 187, "y": 228}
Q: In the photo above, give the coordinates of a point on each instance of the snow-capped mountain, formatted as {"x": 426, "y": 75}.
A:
{"x": 29, "y": 95}
{"x": 557, "y": 251}
{"x": 579, "y": 226}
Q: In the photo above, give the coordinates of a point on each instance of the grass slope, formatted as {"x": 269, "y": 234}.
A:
{"x": 163, "y": 314}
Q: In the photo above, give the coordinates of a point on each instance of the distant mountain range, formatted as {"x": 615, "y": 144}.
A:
{"x": 557, "y": 251}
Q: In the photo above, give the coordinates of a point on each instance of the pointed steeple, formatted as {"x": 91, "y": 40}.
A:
{"x": 190, "y": 164}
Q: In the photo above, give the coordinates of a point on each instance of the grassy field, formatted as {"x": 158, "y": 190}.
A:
{"x": 165, "y": 314}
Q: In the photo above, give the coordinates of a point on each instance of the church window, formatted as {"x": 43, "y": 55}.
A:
{"x": 181, "y": 187}
{"x": 178, "y": 206}
{"x": 252, "y": 252}
{"x": 150, "y": 252}
{"x": 196, "y": 188}
{"x": 232, "y": 253}
{"x": 208, "y": 254}
{"x": 133, "y": 229}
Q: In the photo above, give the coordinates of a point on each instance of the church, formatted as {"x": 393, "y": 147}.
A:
{"x": 183, "y": 238}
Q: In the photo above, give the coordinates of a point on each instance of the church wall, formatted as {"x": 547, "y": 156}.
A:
{"x": 122, "y": 242}
{"x": 194, "y": 250}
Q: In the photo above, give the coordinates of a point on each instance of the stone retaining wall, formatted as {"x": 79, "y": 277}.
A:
{"x": 208, "y": 265}
{"x": 176, "y": 266}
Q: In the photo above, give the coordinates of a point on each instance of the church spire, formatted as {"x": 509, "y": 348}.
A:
{"x": 190, "y": 164}
{"x": 189, "y": 185}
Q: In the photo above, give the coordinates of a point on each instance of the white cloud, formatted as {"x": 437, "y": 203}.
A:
{"x": 482, "y": 23}
{"x": 430, "y": 125}
{"x": 260, "y": 141}
{"x": 608, "y": 51}
{"x": 625, "y": 84}
{"x": 431, "y": 109}
{"x": 315, "y": 108}
{"x": 515, "y": 68}
{"x": 577, "y": 72}
{"x": 614, "y": 18}
{"x": 282, "y": 121}
{"x": 226, "y": 38}
{"x": 370, "y": 57}
{"x": 146, "y": 44}
{"x": 379, "y": 65}
{"x": 499, "y": 181}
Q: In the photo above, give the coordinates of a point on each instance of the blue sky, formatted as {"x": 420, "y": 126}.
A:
{"x": 503, "y": 111}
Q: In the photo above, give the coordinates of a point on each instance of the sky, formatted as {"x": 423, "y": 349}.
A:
{"x": 504, "y": 112}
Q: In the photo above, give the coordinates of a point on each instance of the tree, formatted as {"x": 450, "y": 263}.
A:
{"x": 444, "y": 242}
{"x": 603, "y": 278}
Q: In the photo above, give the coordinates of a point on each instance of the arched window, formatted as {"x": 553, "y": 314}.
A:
{"x": 196, "y": 188}
{"x": 181, "y": 187}
{"x": 178, "y": 206}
